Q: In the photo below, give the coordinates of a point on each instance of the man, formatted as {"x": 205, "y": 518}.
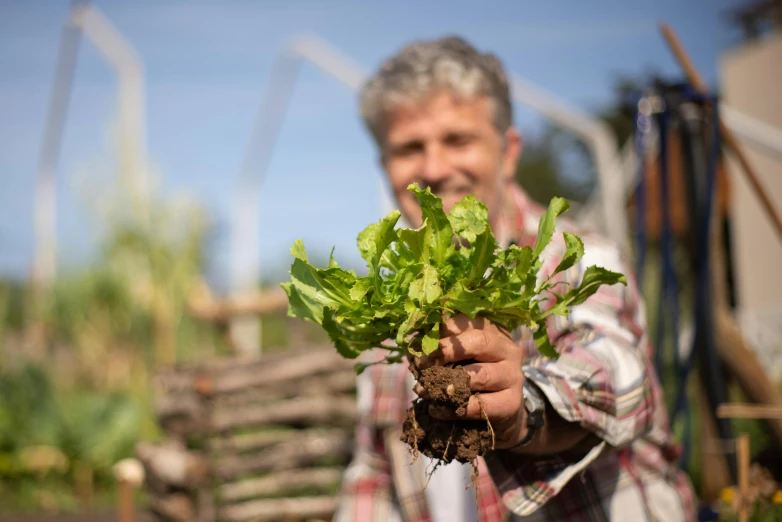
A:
{"x": 584, "y": 437}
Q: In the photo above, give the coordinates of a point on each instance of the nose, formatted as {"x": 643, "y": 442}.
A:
{"x": 435, "y": 166}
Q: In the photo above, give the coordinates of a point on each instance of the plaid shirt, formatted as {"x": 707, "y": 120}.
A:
{"x": 603, "y": 380}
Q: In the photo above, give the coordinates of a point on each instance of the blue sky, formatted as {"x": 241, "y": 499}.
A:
{"x": 207, "y": 63}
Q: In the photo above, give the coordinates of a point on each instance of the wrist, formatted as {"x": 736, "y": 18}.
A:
{"x": 533, "y": 408}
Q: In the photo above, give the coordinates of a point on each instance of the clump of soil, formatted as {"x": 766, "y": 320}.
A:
{"x": 448, "y": 388}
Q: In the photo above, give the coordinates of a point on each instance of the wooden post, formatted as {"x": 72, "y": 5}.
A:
{"x": 746, "y": 411}
{"x": 715, "y": 471}
{"x": 129, "y": 474}
{"x": 126, "y": 509}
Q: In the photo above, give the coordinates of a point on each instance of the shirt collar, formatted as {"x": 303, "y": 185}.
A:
{"x": 510, "y": 227}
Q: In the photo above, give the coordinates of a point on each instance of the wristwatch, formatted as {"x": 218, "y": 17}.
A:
{"x": 535, "y": 405}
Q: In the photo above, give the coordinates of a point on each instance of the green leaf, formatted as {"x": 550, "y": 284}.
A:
{"x": 594, "y": 278}
{"x": 482, "y": 254}
{"x": 574, "y": 251}
{"x": 399, "y": 286}
{"x": 417, "y": 243}
{"x": 543, "y": 342}
{"x": 431, "y": 340}
{"x": 360, "y": 288}
{"x": 299, "y": 306}
{"x": 336, "y": 337}
{"x": 432, "y": 210}
{"x": 332, "y": 262}
{"x": 469, "y": 218}
{"x": 327, "y": 287}
{"x": 408, "y": 325}
{"x": 468, "y": 302}
{"x": 376, "y": 238}
{"x": 426, "y": 289}
{"x": 522, "y": 261}
{"x": 298, "y": 251}
{"x": 548, "y": 224}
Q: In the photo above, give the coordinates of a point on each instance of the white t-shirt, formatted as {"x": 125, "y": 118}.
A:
{"x": 447, "y": 495}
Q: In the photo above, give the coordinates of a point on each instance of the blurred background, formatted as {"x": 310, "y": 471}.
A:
{"x": 159, "y": 158}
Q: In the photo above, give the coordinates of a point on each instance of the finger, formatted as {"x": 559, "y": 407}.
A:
{"x": 428, "y": 361}
{"x": 497, "y": 406}
{"x": 473, "y": 344}
{"x": 461, "y": 323}
{"x": 493, "y": 377}
{"x": 421, "y": 391}
{"x": 458, "y": 324}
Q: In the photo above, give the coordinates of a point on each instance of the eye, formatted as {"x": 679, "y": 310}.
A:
{"x": 458, "y": 139}
{"x": 407, "y": 149}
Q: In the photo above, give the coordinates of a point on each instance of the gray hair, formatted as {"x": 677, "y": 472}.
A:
{"x": 424, "y": 67}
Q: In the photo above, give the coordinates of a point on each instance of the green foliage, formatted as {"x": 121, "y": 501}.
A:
{"x": 556, "y": 164}
{"x": 48, "y": 434}
{"x": 26, "y": 396}
{"x": 419, "y": 278}
{"x": 83, "y": 398}
{"x": 759, "y": 512}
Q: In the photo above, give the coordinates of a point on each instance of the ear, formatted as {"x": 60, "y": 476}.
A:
{"x": 512, "y": 153}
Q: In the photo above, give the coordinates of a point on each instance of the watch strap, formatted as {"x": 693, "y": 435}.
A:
{"x": 535, "y": 405}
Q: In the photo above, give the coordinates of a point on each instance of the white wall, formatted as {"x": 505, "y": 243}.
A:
{"x": 751, "y": 82}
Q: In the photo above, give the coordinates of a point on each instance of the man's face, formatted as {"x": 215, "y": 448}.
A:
{"x": 451, "y": 146}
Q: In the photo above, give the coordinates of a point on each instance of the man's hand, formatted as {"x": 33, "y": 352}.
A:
{"x": 495, "y": 374}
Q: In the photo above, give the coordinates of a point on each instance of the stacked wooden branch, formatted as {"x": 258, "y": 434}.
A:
{"x": 259, "y": 439}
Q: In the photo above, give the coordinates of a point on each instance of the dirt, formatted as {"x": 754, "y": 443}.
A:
{"x": 448, "y": 388}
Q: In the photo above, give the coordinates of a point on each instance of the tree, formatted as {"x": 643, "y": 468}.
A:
{"x": 556, "y": 163}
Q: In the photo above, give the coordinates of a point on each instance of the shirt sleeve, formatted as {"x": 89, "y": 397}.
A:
{"x": 600, "y": 381}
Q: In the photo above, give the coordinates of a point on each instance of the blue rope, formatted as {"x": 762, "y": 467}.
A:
{"x": 668, "y": 284}
{"x": 703, "y": 225}
{"x": 668, "y": 304}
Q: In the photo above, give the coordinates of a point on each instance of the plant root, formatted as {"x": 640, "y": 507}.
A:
{"x": 430, "y": 473}
{"x": 448, "y": 444}
{"x": 486, "y": 418}
{"x": 473, "y": 478}
{"x": 414, "y": 450}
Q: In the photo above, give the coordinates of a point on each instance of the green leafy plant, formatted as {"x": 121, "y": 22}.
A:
{"x": 419, "y": 278}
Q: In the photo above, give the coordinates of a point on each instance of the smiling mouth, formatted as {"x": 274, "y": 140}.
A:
{"x": 452, "y": 192}
{"x": 451, "y": 197}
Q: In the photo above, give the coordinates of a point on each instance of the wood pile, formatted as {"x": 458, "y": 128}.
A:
{"x": 252, "y": 439}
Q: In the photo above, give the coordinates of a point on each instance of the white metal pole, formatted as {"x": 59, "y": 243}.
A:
{"x": 45, "y": 217}
{"x": 131, "y": 102}
{"x": 245, "y": 250}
